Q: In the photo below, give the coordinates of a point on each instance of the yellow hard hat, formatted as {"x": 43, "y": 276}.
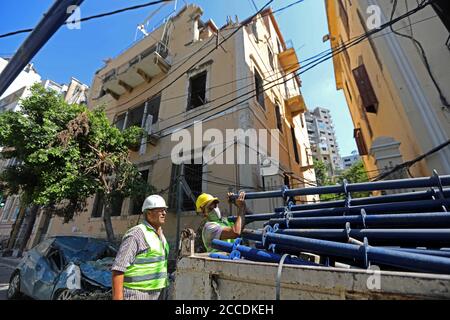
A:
{"x": 203, "y": 200}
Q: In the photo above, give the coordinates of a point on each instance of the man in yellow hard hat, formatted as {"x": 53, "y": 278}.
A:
{"x": 217, "y": 227}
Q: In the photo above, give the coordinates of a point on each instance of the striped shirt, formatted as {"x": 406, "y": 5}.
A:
{"x": 134, "y": 243}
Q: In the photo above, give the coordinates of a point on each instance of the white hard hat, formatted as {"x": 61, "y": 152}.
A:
{"x": 153, "y": 202}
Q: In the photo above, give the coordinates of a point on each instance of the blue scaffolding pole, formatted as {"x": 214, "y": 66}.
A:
{"x": 365, "y": 253}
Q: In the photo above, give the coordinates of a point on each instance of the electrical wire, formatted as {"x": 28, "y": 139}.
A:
{"x": 423, "y": 54}
{"x": 102, "y": 15}
{"x": 308, "y": 66}
{"x": 409, "y": 164}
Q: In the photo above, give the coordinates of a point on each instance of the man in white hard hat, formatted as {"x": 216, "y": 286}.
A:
{"x": 139, "y": 271}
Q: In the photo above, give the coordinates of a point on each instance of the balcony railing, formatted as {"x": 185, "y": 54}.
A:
{"x": 294, "y": 101}
{"x": 288, "y": 59}
{"x": 142, "y": 68}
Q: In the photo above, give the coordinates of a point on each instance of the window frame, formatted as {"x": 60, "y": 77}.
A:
{"x": 260, "y": 95}
{"x": 193, "y": 77}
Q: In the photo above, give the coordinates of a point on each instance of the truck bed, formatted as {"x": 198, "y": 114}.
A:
{"x": 199, "y": 277}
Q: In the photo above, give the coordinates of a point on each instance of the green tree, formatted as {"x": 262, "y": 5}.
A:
{"x": 355, "y": 174}
{"x": 66, "y": 154}
{"x": 322, "y": 173}
{"x": 323, "y": 179}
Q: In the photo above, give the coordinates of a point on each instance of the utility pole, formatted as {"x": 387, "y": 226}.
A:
{"x": 179, "y": 207}
{"x": 182, "y": 189}
{"x": 46, "y": 28}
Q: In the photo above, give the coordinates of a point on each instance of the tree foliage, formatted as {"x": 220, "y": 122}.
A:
{"x": 67, "y": 153}
{"x": 355, "y": 174}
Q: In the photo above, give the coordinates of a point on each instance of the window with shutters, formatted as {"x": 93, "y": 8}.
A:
{"x": 259, "y": 89}
{"x": 197, "y": 91}
{"x": 366, "y": 91}
{"x": 360, "y": 142}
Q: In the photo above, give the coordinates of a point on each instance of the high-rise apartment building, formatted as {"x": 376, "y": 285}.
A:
{"x": 322, "y": 137}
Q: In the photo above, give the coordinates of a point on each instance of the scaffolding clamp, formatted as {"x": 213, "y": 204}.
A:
{"x": 235, "y": 255}
{"x": 288, "y": 216}
{"x": 440, "y": 193}
{"x": 363, "y": 218}
{"x": 365, "y": 250}
{"x": 237, "y": 243}
{"x": 348, "y": 196}
{"x": 266, "y": 230}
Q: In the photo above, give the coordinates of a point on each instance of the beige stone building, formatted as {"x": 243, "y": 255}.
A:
{"x": 138, "y": 87}
{"x": 396, "y": 108}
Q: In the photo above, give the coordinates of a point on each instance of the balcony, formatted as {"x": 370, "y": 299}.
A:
{"x": 289, "y": 60}
{"x": 142, "y": 68}
{"x": 295, "y": 103}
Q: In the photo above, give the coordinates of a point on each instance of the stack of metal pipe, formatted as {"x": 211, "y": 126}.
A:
{"x": 407, "y": 231}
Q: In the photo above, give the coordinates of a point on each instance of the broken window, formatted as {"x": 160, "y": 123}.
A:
{"x": 135, "y": 117}
{"x": 193, "y": 174}
{"x": 259, "y": 89}
{"x": 287, "y": 181}
{"x": 97, "y": 209}
{"x": 55, "y": 259}
{"x": 136, "y": 202}
{"x": 153, "y": 108}
{"x": 197, "y": 90}
{"x": 294, "y": 145}
{"x": 368, "y": 96}
{"x": 255, "y": 30}
{"x": 99, "y": 204}
{"x": 278, "y": 115}
{"x": 116, "y": 205}
{"x": 360, "y": 142}
{"x": 119, "y": 122}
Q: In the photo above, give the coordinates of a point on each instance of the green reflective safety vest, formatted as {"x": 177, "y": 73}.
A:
{"x": 149, "y": 269}
{"x": 222, "y": 223}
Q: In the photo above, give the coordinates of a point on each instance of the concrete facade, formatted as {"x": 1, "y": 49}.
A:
{"x": 322, "y": 136}
{"x": 396, "y": 110}
{"x": 131, "y": 79}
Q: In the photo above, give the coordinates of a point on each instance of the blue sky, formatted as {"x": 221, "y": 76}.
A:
{"x": 79, "y": 53}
